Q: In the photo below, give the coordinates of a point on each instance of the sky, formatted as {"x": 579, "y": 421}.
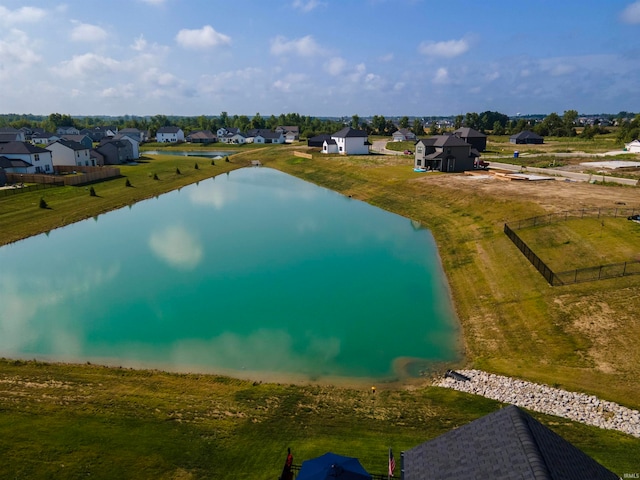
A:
{"x": 319, "y": 57}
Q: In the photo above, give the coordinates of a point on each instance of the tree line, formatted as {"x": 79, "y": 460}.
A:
{"x": 492, "y": 122}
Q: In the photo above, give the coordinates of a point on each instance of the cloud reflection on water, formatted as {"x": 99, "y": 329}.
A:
{"x": 177, "y": 247}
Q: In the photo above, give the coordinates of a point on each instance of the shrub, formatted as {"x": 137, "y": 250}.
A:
{"x": 213, "y": 162}
{"x": 128, "y": 183}
{"x": 177, "y": 171}
{"x": 92, "y": 192}
{"x": 43, "y": 203}
{"x": 155, "y": 176}
{"x": 226, "y": 159}
{"x": 196, "y": 167}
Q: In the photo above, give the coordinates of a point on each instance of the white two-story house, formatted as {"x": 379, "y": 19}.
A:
{"x": 347, "y": 141}
{"x": 169, "y": 135}
{"x": 39, "y": 158}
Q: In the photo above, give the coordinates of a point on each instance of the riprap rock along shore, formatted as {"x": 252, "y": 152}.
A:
{"x": 579, "y": 407}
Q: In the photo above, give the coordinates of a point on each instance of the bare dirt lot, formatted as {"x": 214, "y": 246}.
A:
{"x": 553, "y": 195}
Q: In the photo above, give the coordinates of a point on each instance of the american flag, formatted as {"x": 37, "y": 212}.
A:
{"x": 392, "y": 463}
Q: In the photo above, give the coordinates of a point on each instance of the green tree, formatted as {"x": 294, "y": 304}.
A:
{"x": 256, "y": 122}
{"x": 433, "y": 129}
{"x": 355, "y": 122}
{"x": 457, "y": 123}
{"x": 418, "y": 127}
{"x": 404, "y": 122}
{"x": 498, "y": 128}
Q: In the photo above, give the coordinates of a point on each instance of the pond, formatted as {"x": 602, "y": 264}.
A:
{"x": 189, "y": 153}
{"x": 253, "y": 273}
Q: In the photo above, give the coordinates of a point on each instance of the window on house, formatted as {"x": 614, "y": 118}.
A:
{"x": 36, "y": 157}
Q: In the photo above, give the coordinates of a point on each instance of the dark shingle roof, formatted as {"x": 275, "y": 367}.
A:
{"x": 466, "y": 132}
{"x": 73, "y": 145}
{"x": 168, "y": 130}
{"x": 13, "y": 163}
{"x": 525, "y": 134}
{"x": 348, "y": 132}
{"x": 505, "y": 444}
{"x": 20, "y": 147}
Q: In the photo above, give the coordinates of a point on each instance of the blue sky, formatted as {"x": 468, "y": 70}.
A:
{"x": 319, "y": 57}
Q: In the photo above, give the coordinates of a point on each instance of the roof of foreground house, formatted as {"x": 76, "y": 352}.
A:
{"x": 525, "y": 134}
{"x": 348, "y": 132}
{"x": 20, "y": 148}
{"x": 506, "y": 444}
{"x": 466, "y": 132}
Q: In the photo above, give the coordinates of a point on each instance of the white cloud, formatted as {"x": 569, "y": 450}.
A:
{"x": 85, "y": 32}
{"x": 447, "y": 49}
{"x": 387, "y": 58}
{"x": 226, "y": 83}
{"x": 360, "y": 71}
{"x": 335, "y": 66}
{"x": 303, "y": 47}
{"x": 177, "y": 247}
{"x": 308, "y": 5}
{"x": 139, "y": 44}
{"x": 631, "y": 14}
{"x": 399, "y": 86}
{"x": 441, "y": 77}
{"x": 206, "y": 37}
{"x": 16, "y": 53}
{"x": 21, "y": 15}
{"x": 291, "y": 82}
{"x": 88, "y": 64}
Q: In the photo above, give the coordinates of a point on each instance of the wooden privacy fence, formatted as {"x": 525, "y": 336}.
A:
{"x": 66, "y": 175}
{"x": 302, "y": 155}
{"x": 579, "y": 275}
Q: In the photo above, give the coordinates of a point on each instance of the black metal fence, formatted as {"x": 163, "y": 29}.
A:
{"x": 569, "y": 215}
{"x": 6, "y": 192}
{"x": 579, "y": 275}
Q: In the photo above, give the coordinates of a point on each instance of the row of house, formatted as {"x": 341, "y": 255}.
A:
{"x": 230, "y": 135}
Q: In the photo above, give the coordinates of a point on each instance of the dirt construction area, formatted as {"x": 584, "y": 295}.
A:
{"x": 553, "y": 195}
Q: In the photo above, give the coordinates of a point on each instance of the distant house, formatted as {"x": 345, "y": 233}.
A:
{"x": 83, "y": 139}
{"x": 43, "y": 138}
{"x": 403, "y": 135}
{"x": 169, "y": 135}
{"x": 134, "y": 133}
{"x": 505, "y": 444}
{"x": 39, "y": 158}
{"x": 202, "y": 136}
{"x": 633, "y": 147}
{"x": 263, "y": 135}
{"x": 115, "y": 152}
{"x": 526, "y": 137}
{"x": 68, "y": 152}
{"x": 291, "y": 132}
{"x": 445, "y": 153}
{"x": 67, "y": 130}
{"x": 231, "y": 135}
{"x": 10, "y": 134}
{"x": 98, "y": 133}
{"x": 135, "y": 145}
{"x": 347, "y": 141}
{"x": 476, "y": 139}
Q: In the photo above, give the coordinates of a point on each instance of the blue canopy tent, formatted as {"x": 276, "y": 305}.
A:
{"x": 330, "y": 466}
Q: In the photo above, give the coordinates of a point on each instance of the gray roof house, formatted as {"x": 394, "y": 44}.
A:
{"x": 38, "y": 157}
{"x": 9, "y": 134}
{"x": 476, "y": 139}
{"x": 83, "y": 139}
{"x": 444, "y": 153}
{"x": 291, "y": 132}
{"x": 14, "y": 165}
{"x": 503, "y": 445}
{"x": 264, "y": 135}
{"x": 202, "y": 136}
{"x": 403, "y": 134}
{"x": 115, "y": 152}
{"x": 526, "y": 137}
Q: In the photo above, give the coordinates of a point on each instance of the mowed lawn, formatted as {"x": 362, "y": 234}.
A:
{"x": 587, "y": 242}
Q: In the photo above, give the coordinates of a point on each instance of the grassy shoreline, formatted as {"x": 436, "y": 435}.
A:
{"x": 149, "y": 424}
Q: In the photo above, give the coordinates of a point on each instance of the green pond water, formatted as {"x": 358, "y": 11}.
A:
{"x": 255, "y": 272}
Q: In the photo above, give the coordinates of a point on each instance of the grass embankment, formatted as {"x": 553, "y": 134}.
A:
{"x": 122, "y": 423}
{"x": 21, "y": 217}
{"x": 68, "y": 421}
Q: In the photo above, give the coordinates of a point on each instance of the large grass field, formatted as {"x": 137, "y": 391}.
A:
{"x": 66, "y": 421}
